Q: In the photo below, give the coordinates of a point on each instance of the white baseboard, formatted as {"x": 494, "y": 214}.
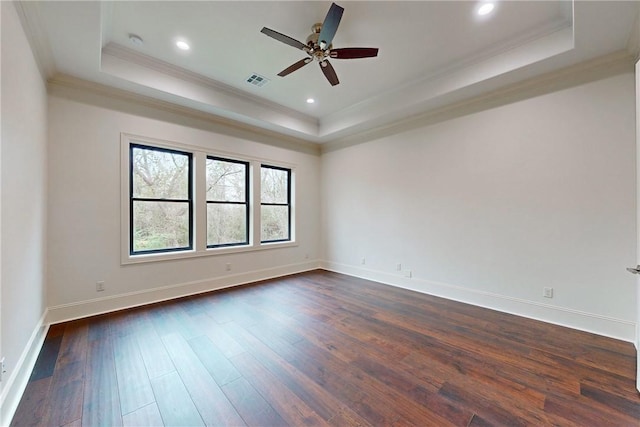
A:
{"x": 576, "y": 319}
{"x": 17, "y": 381}
{"x": 66, "y": 312}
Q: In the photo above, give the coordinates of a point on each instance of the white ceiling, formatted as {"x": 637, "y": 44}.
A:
{"x": 432, "y": 53}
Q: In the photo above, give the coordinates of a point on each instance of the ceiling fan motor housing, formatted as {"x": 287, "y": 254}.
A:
{"x": 312, "y": 40}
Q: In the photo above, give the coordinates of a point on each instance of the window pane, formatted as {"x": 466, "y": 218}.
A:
{"x": 226, "y": 181}
{"x": 274, "y": 185}
{"x": 226, "y": 224}
{"x": 275, "y": 223}
{"x": 160, "y": 174}
{"x": 160, "y": 225}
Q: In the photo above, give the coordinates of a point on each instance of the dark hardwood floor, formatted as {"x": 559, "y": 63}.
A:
{"x": 325, "y": 349}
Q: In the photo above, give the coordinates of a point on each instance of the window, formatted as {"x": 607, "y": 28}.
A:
{"x": 227, "y": 202}
{"x": 160, "y": 200}
{"x": 181, "y": 201}
{"x": 275, "y": 201}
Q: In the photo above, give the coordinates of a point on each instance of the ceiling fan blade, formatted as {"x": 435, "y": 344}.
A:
{"x": 330, "y": 25}
{"x": 284, "y": 39}
{"x": 290, "y": 69}
{"x": 354, "y": 52}
{"x": 329, "y": 72}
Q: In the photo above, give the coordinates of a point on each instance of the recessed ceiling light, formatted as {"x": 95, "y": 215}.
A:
{"x": 183, "y": 45}
{"x": 310, "y": 100}
{"x": 486, "y": 9}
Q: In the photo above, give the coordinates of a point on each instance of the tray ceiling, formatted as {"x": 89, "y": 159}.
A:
{"x": 431, "y": 54}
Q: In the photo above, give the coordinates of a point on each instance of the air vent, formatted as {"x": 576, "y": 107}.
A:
{"x": 257, "y": 80}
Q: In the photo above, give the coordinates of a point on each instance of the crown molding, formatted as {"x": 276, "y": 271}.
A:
{"x": 444, "y": 89}
{"x": 34, "y": 30}
{"x": 65, "y": 86}
{"x": 596, "y": 69}
{"x": 133, "y": 56}
{"x": 98, "y": 94}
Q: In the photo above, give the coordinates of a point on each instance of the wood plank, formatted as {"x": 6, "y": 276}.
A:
{"x": 613, "y": 401}
{"x": 101, "y": 404}
{"x": 67, "y": 387}
{"x": 177, "y": 320}
{"x": 584, "y": 412}
{"x": 134, "y": 386}
{"x": 174, "y": 403}
{"x": 346, "y": 418}
{"x": 478, "y": 421}
{"x": 216, "y": 363}
{"x": 414, "y": 388}
{"x": 147, "y": 416}
{"x": 154, "y": 354}
{"x": 365, "y": 392}
{"x": 622, "y": 387}
{"x": 255, "y": 411}
{"x": 330, "y": 375}
{"x": 46, "y": 362}
{"x": 213, "y": 406}
{"x": 125, "y": 322}
{"x": 290, "y": 407}
{"x": 32, "y": 409}
{"x": 56, "y": 330}
{"x": 66, "y": 396}
{"x": 99, "y": 327}
{"x": 478, "y": 401}
{"x": 380, "y": 364}
{"x": 219, "y": 336}
{"x": 314, "y": 395}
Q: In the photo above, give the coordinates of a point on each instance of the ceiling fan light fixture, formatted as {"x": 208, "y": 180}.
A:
{"x": 136, "y": 39}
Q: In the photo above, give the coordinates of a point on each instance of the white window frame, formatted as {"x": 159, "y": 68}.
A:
{"x": 200, "y": 249}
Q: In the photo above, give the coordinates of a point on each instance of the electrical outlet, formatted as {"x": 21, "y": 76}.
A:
{"x": 99, "y": 286}
{"x": 407, "y": 273}
{"x": 228, "y": 266}
{"x": 363, "y": 261}
{"x": 547, "y": 292}
{"x": 399, "y": 267}
{"x": 3, "y": 368}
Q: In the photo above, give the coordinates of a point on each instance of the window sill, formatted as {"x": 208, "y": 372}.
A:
{"x": 172, "y": 256}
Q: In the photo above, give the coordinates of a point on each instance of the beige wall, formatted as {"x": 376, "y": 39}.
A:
{"x": 492, "y": 207}
{"x": 85, "y": 202}
{"x": 24, "y": 199}
{"x": 638, "y": 222}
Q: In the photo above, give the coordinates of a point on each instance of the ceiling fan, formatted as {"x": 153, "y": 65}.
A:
{"x": 319, "y": 46}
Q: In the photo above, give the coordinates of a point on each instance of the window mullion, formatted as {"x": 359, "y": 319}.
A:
{"x": 200, "y": 201}
{"x": 255, "y": 203}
